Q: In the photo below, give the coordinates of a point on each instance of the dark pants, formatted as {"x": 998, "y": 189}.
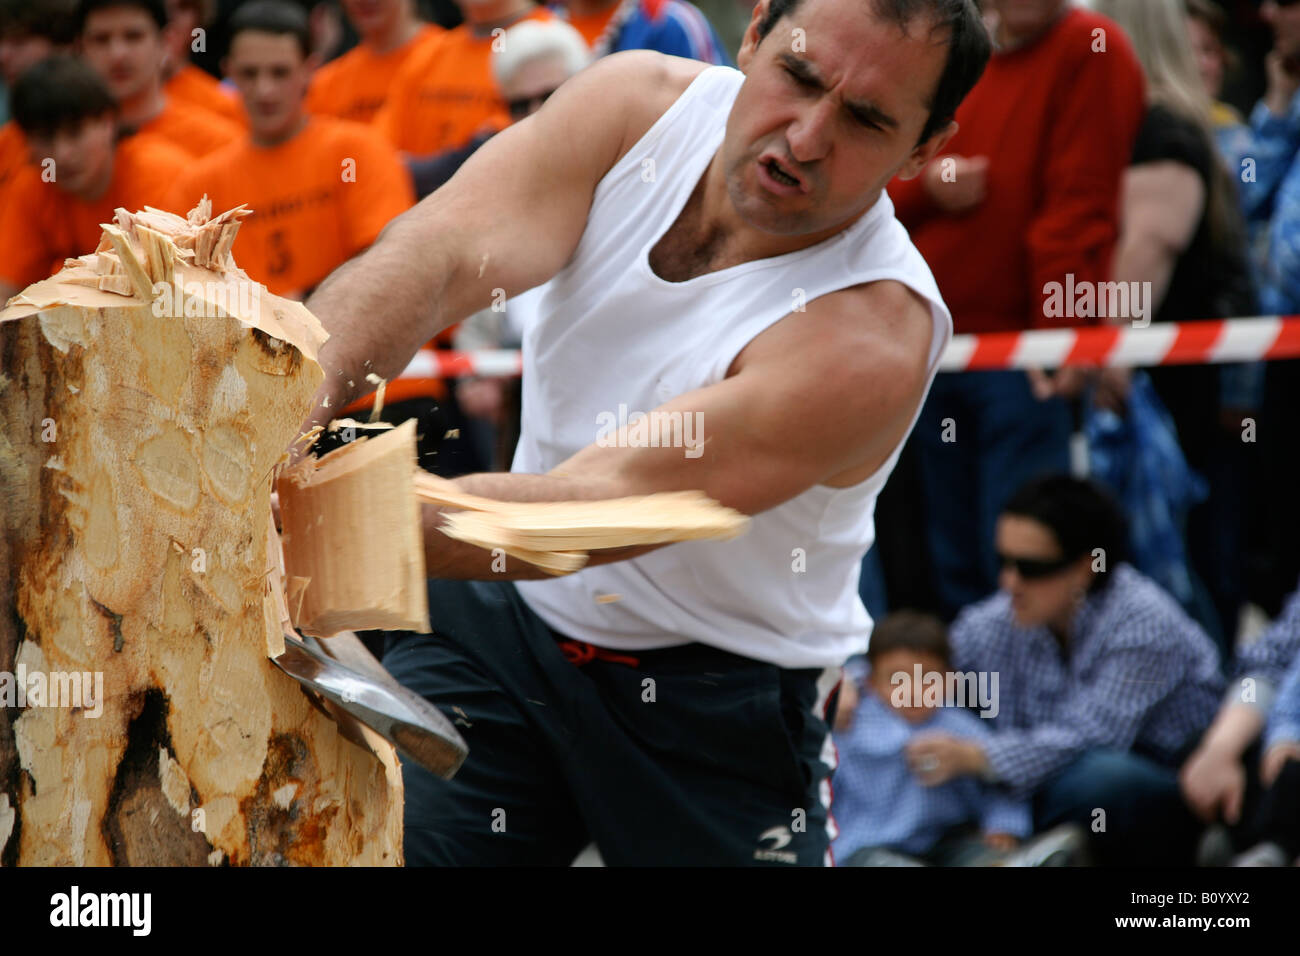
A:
{"x": 1130, "y": 805}
{"x": 1269, "y": 814}
{"x": 1277, "y": 818}
{"x": 981, "y": 435}
{"x": 688, "y": 755}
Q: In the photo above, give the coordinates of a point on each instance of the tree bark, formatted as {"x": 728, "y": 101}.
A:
{"x": 138, "y": 439}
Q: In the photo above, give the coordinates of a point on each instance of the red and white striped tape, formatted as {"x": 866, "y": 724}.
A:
{"x": 1160, "y": 343}
{"x": 1163, "y": 343}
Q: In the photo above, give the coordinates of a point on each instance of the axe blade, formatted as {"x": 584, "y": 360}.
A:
{"x": 418, "y": 730}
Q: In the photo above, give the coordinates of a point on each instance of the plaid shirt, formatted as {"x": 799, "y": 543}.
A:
{"x": 1284, "y": 719}
{"x": 1266, "y": 658}
{"x": 878, "y": 802}
{"x": 1140, "y": 673}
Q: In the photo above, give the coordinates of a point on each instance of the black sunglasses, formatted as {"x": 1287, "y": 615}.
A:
{"x": 1031, "y": 569}
{"x": 521, "y": 107}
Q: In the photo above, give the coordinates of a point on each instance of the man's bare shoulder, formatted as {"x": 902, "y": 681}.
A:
{"x": 640, "y": 86}
{"x": 861, "y": 330}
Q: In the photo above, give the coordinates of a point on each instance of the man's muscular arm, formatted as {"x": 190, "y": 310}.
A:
{"x": 509, "y": 219}
{"x": 821, "y": 397}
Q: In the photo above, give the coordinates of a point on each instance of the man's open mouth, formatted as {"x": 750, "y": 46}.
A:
{"x": 778, "y": 173}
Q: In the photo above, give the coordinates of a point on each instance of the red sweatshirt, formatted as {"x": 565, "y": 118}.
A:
{"x": 1058, "y": 123}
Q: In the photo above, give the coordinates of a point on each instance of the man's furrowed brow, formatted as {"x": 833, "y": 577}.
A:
{"x": 801, "y": 68}
{"x": 870, "y": 113}
{"x": 866, "y": 112}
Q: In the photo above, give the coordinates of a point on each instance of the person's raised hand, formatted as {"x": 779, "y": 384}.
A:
{"x": 936, "y": 758}
{"x": 1282, "y": 82}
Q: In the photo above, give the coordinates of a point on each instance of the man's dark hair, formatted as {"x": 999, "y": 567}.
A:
{"x": 1081, "y": 515}
{"x": 156, "y": 9}
{"x": 55, "y": 20}
{"x": 909, "y": 631}
{"x": 58, "y": 93}
{"x": 969, "y": 46}
{"x": 272, "y": 16}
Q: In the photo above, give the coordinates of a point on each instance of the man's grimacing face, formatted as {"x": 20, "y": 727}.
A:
{"x": 839, "y": 105}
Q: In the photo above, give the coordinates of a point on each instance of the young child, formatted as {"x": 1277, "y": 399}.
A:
{"x": 886, "y": 816}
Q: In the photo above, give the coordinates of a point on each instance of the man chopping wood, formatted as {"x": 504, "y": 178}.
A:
{"x": 716, "y": 246}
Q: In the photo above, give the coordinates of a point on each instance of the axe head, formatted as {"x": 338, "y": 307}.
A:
{"x": 410, "y": 723}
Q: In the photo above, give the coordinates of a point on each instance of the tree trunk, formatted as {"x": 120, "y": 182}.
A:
{"x": 141, "y": 418}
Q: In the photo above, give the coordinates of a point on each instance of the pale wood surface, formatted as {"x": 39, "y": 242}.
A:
{"x": 354, "y": 550}
{"x": 136, "y": 544}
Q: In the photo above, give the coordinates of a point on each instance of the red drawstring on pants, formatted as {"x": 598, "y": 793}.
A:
{"x": 580, "y": 652}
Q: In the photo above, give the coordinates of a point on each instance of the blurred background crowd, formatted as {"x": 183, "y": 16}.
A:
{"x": 1155, "y": 143}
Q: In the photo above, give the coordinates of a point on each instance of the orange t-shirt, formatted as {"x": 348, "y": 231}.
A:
{"x": 355, "y": 86}
{"x": 317, "y": 200}
{"x": 445, "y": 93}
{"x": 41, "y": 225}
{"x": 592, "y": 25}
{"x": 192, "y": 85}
{"x": 13, "y": 152}
{"x": 193, "y": 129}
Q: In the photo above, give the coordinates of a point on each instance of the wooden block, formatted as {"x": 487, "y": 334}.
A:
{"x": 136, "y": 455}
{"x": 352, "y": 528}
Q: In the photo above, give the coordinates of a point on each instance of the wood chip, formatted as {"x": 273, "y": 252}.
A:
{"x": 539, "y": 532}
{"x": 140, "y": 281}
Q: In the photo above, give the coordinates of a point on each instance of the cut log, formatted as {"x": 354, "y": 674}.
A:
{"x": 353, "y": 547}
{"x": 141, "y": 421}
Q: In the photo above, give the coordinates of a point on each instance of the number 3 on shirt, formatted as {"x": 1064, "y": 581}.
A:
{"x": 278, "y": 258}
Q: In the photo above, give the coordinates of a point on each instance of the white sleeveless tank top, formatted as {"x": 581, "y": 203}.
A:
{"x": 608, "y": 332}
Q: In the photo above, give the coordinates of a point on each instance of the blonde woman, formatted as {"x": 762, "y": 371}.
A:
{"x": 1181, "y": 232}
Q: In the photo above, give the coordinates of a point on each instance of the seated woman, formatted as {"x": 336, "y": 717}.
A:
{"x": 1104, "y": 682}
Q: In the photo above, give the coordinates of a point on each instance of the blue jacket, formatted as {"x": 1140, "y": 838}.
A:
{"x": 675, "y": 27}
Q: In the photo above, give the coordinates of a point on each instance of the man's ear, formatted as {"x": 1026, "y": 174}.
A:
{"x": 749, "y": 42}
{"x": 921, "y": 156}
{"x": 312, "y": 62}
